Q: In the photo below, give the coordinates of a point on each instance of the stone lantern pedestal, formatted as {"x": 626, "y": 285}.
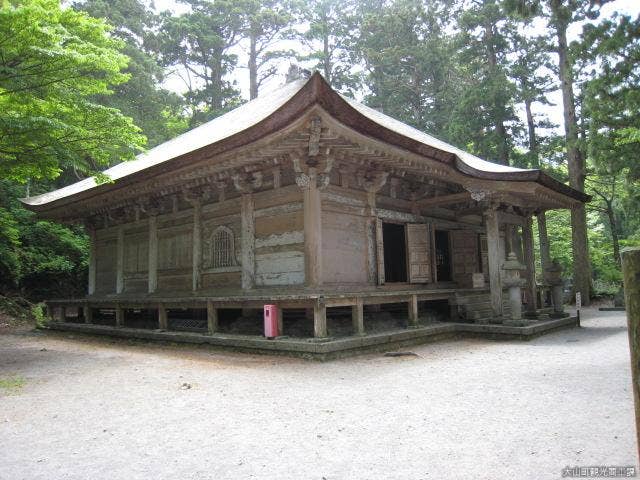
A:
{"x": 553, "y": 278}
{"x": 512, "y": 280}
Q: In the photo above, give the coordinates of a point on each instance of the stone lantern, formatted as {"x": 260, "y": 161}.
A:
{"x": 553, "y": 278}
{"x": 512, "y": 280}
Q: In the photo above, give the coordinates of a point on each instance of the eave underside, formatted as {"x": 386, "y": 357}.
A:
{"x": 423, "y": 179}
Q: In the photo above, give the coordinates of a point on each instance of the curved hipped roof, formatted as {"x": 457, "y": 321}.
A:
{"x": 274, "y": 111}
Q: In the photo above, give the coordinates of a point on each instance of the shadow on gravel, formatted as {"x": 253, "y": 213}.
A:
{"x": 584, "y": 335}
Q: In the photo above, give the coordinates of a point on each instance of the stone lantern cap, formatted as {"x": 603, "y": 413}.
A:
{"x": 512, "y": 269}
{"x": 553, "y": 273}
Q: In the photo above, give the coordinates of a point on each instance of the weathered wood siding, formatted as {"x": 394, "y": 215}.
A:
{"x": 106, "y": 253}
{"x": 136, "y": 259}
{"x": 225, "y": 215}
{"x": 344, "y": 241}
{"x": 279, "y": 238}
{"x": 174, "y": 253}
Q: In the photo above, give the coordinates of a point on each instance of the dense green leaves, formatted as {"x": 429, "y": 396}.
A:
{"x": 54, "y": 62}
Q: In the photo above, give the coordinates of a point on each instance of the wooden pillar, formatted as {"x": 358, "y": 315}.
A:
{"x": 212, "y": 317}
{"x": 120, "y": 261}
{"x": 119, "y": 316}
{"x": 530, "y": 263}
{"x": 163, "y": 319}
{"x": 87, "y": 313}
{"x": 92, "y": 262}
{"x": 312, "y": 231}
{"x": 319, "y": 320}
{"x": 413, "y": 311}
{"x": 197, "y": 244}
{"x": 248, "y": 241}
{"x": 357, "y": 317}
{"x": 153, "y": 253}
{"x": 631, "y": 277}
{"x": 494, "y": 260}
{"x": 63, "y": 314}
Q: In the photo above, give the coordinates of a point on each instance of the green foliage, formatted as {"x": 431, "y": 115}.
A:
{"x": 199, "y": 45}
{"x": 39, "y": 258}
{"x": 329, "y": 38}
{"x": 38, "y": 313}
{"x": 54, "y": 62}
{"x": 407, "y": 57}
{"x": 157, "y": 111}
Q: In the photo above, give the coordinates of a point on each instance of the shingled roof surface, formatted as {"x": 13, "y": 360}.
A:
{"x": 274, "y": 110}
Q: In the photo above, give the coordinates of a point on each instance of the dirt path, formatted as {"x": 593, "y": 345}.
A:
{"x": 85, "y": 409}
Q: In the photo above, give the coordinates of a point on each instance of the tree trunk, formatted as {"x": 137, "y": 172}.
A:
{"x": 545, "y": 255}
{"x": 613, "y": 224}
{"x": 501, "y": 131}
{"x": 253, "y": 65}
{"x": 575, "y": 162}
{"x": 531, "y": 129}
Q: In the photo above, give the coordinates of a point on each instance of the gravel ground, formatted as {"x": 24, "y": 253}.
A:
{"x": 81, "y": 408}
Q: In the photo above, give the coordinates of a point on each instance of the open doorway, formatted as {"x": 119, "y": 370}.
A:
{"x": 443, "y": 256}
{"x": 395, "y": 252}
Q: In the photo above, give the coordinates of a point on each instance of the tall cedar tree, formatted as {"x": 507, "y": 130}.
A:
{"x": 198, "y": 45}
{"x": 267, "y": 23}
{"x": 154, "y": 109}
{"x": 407, "y": 59}
{"x": 485, "y": 108}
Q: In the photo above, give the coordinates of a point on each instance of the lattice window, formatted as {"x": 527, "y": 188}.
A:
{"x": 222, "y": 248}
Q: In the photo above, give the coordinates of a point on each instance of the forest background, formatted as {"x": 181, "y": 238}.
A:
{"x": 550, "y": 84}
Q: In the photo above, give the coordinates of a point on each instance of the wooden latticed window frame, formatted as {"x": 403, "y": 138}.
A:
{"x": 222, "y": 248}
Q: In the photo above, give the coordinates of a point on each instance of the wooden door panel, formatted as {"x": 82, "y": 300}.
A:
{"x": 419, "y": 252}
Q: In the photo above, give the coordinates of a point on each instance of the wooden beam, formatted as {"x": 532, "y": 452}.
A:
{"x": 530, "y": 262}
{"x": 163, "y": 320}
{"x": 319, "y": 320}
{"x": 248, "y": 241}
{"x": 120, "y": 261}
{"x": 197, "y": 245}
{"x": 312, "y": 231}
{"x": 357, "y": 317}
{"x": 153, "y": 254}
{"x": 413, "y": 311}
{"x": 510, "y": 218}
{"x": 92, "y": 262}
{"x": 444, "y": 200}
{"x": 212, "y": 317}
{"x": 494, "y": 260}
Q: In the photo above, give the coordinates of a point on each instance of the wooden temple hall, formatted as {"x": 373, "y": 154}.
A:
{"x": 354, "y": 224}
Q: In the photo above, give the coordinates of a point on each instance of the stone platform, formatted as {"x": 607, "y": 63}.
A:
{"x": 330, "y": 348}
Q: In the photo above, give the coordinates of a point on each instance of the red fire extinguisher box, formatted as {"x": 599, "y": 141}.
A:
{"x": 271, "y": 321}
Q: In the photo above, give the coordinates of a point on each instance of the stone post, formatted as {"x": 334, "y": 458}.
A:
{"x": 553, "y": 278}
{"x": 513, "y": 281}
{"x": 631, "y": 274}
